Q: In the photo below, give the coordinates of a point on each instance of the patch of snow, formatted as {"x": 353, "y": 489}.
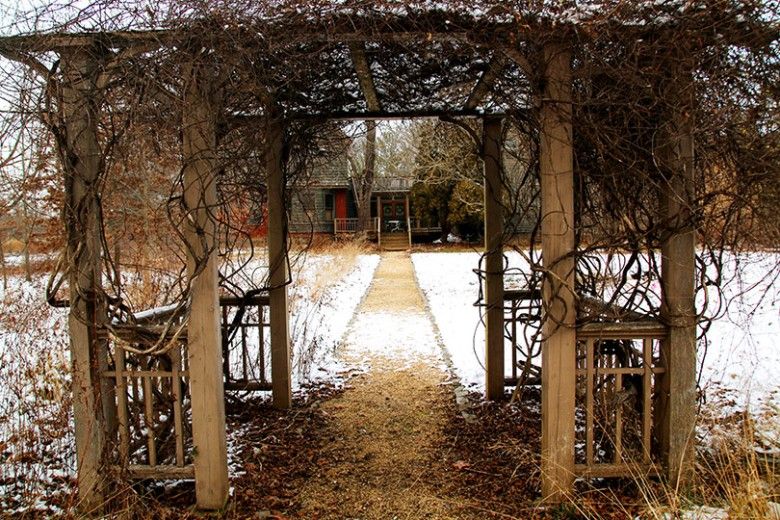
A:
{"x": 450, "y": 286}
{"x": 741, "y": 350}
{"x": 699, "y": 513}
{"x": 321, "y": 318}
{"x": 398, "y": 335}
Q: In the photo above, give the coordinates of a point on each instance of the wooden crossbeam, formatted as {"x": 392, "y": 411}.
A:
{"x": 43, "y": 42}
{"x": 385, "y": 115}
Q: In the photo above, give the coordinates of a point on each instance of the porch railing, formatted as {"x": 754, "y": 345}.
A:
{"x": 345, "y": 225}
{"x": 421, "y": 226}
{"x": 351, "y": 225}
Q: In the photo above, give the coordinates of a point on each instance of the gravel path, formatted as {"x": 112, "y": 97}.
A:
{"x": 384, "y": 430}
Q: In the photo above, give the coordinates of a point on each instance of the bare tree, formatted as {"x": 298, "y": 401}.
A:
{"x": 363, "y": 171}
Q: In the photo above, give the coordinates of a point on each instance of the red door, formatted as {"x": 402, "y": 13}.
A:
{"x": 341, "y": 204}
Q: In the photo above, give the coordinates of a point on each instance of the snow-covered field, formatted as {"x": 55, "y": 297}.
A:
{"x": 36, "y": 440}
{"x": 742, "y": 359}
{"x": 739, "y": 370}
{"x": 451, "y": 288}
{"x": 320, "y": 313}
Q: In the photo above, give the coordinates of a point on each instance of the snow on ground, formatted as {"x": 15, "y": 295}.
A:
{"x": 320, "y": 316}
{"x": 743, "y": 351}
{"x": 37, "y": 463}
{"x": 404, "y": 337}
{"x": 451, "y": 287}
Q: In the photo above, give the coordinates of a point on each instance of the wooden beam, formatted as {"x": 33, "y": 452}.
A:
{"x": 558, "y": 297}
{"x": 389, "y": 115}
{"x": 365, "y": 77}
{"x": 408, "y": 218}
{"x": 486, "y": 81}
{"x": 379, "y": 221}
{"x": 676, "y": 406}
{"x": 68, "y": 42}
{"x": 494, "y": 260}
{"x": 203, "y": 332}
{"x": 79, "y": 153}
{"x": 277, "y": 260}
{"x": 400, "y": 30}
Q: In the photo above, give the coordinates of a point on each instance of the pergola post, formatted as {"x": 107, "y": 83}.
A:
{"x": 408, "y": 218}
{"x": 203, "y": 330}
{"x": 379, "y": 221}
{"x": 558, "y": 298}
{"x": 93, "y": 404}
{"x": 494, "y": 260}
{"x": 676, "y": 405}
{"x": 277, "y": 260}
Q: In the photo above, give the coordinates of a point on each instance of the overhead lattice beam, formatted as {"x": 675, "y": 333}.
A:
{"x": 520, "y": 60}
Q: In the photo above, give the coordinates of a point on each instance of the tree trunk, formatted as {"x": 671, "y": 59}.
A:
{"x": 444, "y": 214}
{"x": 365, "y": 184}
{"x": 27, "y": 268}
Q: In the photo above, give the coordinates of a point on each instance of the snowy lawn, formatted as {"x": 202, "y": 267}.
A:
{"x": 451, "y": 287}
{"x": 37, "y": 463}
{"x": 742, "y": 359}
{"x": 321, "y": 311}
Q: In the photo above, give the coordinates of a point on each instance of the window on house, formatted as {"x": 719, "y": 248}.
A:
{"x": 327, "y": 210}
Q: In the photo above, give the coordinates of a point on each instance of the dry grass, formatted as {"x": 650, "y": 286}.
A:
{"x": 341, "y": 257}
{"x": 731, "y": 475}
{"x": 36, "y": 460}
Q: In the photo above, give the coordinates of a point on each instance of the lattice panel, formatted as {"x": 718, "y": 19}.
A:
{"x": 153, "y": 422}
{"x": 522, "y": 317}
{"x": 618, "y": 365}
{"x": 246, "y": 343}
{"x": 152, "y": 412}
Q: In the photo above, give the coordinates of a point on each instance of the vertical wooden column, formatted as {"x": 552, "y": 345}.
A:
{"x": 203, "y": 330}
{"x": 277, "y": 260}
{"x": 494, "y": 260}
{"x": 559, "y": 313}
{"x": 676, "y": 405}
{"x": 80, "y": 158}
{"x": 408, "y": 218}
{"x": 379, "y": 221}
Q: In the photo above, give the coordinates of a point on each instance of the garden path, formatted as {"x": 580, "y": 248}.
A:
{"x": 384, "y": 430}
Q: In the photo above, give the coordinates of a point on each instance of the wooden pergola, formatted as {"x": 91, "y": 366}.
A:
{"x": 466, "y": 66}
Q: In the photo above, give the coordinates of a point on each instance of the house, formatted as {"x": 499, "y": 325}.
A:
{"x": 326, "y": 204}
{"x": 325, "y": 200}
